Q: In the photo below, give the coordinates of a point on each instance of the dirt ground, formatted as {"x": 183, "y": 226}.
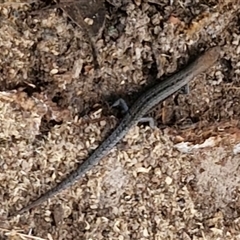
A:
{"x": 60, "y": 71}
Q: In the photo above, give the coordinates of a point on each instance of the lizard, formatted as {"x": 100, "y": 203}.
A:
{"x": 142, "y": 105}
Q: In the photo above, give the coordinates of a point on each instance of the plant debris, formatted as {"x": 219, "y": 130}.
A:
{"x": 176, "y": 181}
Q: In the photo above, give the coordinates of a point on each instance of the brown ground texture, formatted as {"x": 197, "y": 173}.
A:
{"x": 61, "y": 69}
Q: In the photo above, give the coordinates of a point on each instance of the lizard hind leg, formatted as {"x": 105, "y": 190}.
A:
{"x": 122, "y": 104}
{"x": 149, "y": 120}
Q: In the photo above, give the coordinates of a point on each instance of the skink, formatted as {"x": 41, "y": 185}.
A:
{"x": 144, "y": 103}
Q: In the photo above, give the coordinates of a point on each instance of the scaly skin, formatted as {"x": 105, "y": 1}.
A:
{"x": 146, "y": 101}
